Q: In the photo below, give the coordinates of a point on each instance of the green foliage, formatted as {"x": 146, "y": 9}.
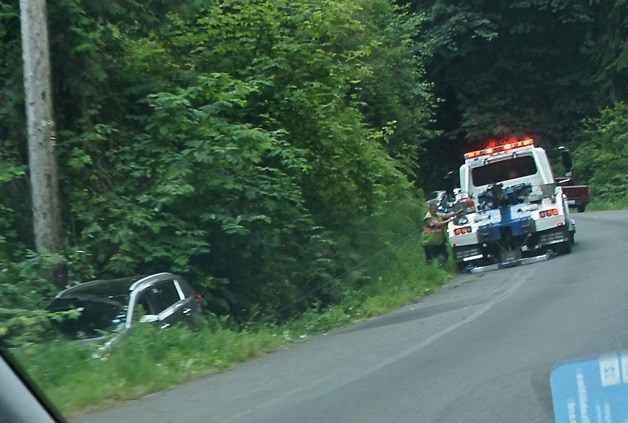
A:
{"x": 395, "y": 95}
{"x": 606, "y": 43}
{"x": 25, "y": 327}
{"x": 532, "y": 67}
{"x": 249, "y": 145}
{"x": 11, "y": 175}
{"x": 24, "y": 292}
{"x": 265, "y": 150}
{"x": 12, "y": 126}
{"x": 601, "y": 155}
{"x": 143, "y": 360}
{"x": 239, "y": 143}
{"x": 303, "y": 61}
{"x": 518, "y": 90}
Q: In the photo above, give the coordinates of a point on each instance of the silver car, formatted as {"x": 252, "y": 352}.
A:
{"x": 115, "y": 305}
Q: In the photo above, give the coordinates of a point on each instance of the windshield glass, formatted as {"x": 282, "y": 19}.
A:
{"x": 98, "y": 315}
{"x": 503, "y": 171}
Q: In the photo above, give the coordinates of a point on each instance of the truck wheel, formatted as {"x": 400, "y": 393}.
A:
{"x": 564, "y": 247}
{"x": 461, "y": 266}
{"x": 581, "y": 208}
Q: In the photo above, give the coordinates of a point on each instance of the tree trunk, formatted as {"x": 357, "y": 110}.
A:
{"x": 41, "y": 133}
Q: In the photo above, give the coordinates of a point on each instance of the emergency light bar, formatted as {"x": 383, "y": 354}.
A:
{"x": 489, "y": 151}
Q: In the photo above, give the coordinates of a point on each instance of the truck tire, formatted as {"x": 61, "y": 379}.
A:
{"x": 566, "y": 247}
{"x": 581, "y": 208}
{"x": 563, "y": 248}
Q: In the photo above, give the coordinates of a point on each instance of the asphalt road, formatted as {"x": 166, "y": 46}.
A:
{"x": 479, "y": 350}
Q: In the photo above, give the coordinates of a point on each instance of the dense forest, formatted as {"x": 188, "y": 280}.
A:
{"x": 259, "y": 148}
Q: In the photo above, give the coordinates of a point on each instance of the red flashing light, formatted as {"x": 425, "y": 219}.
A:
{"x": 493, "y": 149}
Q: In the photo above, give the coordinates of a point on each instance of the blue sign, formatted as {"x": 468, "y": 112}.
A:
{"x": 592, "y": 391}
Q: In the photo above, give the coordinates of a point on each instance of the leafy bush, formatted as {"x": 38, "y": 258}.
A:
{"x": 24, "y": 292}
{"x": 601, "y": 154}
{"x": 23, "y": 285}
{"x": 246, "y": 144}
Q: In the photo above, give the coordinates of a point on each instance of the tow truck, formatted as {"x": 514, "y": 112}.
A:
{"x": 510, "y": 209}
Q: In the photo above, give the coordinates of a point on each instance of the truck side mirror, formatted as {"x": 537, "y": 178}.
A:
{"x": 567, "y": 162}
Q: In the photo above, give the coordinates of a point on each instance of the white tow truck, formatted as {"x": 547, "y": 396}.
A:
{"x": 510, "y": 209}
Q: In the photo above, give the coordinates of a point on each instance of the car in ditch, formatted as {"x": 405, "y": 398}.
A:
{"x": 113, "y": 306}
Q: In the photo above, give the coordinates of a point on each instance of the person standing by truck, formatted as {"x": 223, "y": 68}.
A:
{"x": 434, "y": 236}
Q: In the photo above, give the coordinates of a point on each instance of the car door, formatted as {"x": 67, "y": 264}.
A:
{"x": 191, "y": 307}
{"x": 167, "y": 302}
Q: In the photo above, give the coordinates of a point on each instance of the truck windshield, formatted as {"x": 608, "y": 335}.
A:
{"x": 503, "y": 171}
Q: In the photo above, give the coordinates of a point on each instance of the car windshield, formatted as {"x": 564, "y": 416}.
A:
{"x": 97, "y": 316}
{"x": 503, "y": 171}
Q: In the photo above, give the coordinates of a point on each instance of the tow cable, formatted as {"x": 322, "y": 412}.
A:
{"x": 520, "y": 262}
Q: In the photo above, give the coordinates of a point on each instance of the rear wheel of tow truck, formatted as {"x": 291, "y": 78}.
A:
{"x": 462, "y": 266}
{"x": 565, "y": 247}
{"x": 581, "y": 209}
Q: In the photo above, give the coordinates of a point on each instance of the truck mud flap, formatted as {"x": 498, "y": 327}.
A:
{"x": 514, "y": 263}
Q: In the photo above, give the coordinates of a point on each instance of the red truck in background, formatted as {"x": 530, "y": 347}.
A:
{"x": 577, "y": 195}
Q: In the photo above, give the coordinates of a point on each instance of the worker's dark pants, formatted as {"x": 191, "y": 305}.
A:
{"x": 436, "y": 252}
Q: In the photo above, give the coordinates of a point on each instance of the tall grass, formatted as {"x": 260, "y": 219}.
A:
{"x": 143, "y": 360}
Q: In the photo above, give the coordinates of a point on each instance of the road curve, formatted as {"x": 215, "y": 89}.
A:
{"x": 480, "y": 349}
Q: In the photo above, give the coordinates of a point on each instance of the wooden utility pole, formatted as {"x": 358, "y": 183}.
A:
{"x": 41, "y": 132}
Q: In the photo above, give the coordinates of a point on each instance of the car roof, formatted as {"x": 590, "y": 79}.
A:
{"x": 111, "y": 287}
{"x": 101, "y": 287}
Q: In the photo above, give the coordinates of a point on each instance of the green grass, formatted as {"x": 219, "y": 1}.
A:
{"x": 600, "y": 205}
{"x": 144, "y": 360}
{"x": 147, "y": 360}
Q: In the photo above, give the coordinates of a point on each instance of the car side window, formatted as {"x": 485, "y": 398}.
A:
{"x": 142, "y": 306}
{"x": 164, "y": 295}
{"x": 185, "y": 288}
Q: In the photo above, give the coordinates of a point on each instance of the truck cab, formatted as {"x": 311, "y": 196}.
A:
{"x": 509, "y": 206}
